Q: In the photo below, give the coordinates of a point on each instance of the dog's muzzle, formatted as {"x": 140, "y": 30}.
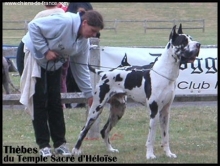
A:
{"x": 190, "y": 56}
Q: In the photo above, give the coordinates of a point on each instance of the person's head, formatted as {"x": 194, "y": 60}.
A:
{"x": 92, "y": 23}
{"x": 62, "y": 6}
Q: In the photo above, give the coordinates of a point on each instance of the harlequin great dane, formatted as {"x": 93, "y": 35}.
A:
{"x": 155, "y": 87}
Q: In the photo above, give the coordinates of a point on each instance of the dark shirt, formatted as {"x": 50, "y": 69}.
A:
{"x": 74, "y": 6}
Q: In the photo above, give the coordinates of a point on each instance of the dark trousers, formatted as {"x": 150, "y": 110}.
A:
{"x": 20, "y": 58}
{"x": 71, "y": 85}
{"x": 48, "y": 113}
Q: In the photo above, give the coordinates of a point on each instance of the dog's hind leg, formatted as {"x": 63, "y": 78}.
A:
{"x": 94, "y": 112}
{"x": 164, "y": 125}
{"x": 117, "y": 108}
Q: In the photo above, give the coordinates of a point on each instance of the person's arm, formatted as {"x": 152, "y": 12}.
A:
{"x": 80, "y": 71}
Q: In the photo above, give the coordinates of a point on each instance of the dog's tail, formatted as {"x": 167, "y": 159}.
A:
{"x": 96, "y": 71}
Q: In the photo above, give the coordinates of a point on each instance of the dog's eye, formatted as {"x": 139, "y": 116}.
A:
{"x": 185, "y": 42}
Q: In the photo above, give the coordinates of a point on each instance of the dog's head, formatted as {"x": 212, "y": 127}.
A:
{"x": 184, "y": 48}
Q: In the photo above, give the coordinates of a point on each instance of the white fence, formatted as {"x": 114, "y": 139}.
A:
{"x": 110, "y": 25}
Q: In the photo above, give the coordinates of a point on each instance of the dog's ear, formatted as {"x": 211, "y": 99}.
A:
{"x": 124, "y": 61}
{"x": 173, "y": 33}
{"x": 180, "y": 29}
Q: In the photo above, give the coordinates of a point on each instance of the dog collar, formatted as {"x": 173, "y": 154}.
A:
{"x": 162, "y": 75}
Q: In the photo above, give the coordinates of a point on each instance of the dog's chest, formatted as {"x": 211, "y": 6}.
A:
{"x": 137, "y": 85}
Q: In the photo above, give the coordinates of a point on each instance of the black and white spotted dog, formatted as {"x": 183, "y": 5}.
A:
{"x": 154, "y": 87}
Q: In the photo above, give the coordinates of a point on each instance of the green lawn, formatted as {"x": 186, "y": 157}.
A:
{"x": 193, "y": 134}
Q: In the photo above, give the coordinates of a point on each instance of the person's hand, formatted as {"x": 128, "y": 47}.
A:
{"x": 51, "y": 55}
{"x": 90, "y": 100}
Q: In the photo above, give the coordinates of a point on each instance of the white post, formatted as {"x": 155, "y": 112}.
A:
{"x": 94, "y": 60}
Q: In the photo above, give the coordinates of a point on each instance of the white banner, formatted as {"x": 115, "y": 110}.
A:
{"x": 199, "y": 77}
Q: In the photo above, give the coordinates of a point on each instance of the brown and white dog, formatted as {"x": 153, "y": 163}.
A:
{"x": 154, "y": 87}
{"x": 7, "y": 66}
{"x": 5, "y": 75}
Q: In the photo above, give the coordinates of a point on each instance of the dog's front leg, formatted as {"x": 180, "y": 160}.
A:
{"x": 94, "y": 112}
{"x": 154, "y": 117}
{"x": 151, "y": 138}
{"x": 164, "y": 125}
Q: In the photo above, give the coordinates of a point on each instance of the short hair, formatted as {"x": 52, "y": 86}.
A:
{"x": 94, "y": 18}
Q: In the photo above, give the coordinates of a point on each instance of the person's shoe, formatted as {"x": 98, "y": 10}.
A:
{"x": 63, "y": 150}
{"x": 80, "y": 105}
{"x": 45, "y": 152}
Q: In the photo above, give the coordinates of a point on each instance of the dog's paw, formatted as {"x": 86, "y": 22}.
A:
{"x": 76, "y": 152}
{"x": 113, "y": 150}
{"x": 171, "y": 155}
{"x": 150, "y": 156}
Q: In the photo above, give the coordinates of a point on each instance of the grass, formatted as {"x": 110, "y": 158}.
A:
{"x": 193, "y": 134}
{"x": 132, "y": 34}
